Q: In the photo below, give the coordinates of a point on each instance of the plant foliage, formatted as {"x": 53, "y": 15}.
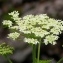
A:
{"x": 5, "y": 49}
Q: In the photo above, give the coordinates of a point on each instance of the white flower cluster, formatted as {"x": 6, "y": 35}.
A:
{"x": 51, "y": 39}
{"x": 15, "y": 15}
{"x": 34, "y": 27}
{"x": 31, "y": 40}
{"x": 14, "y": 35}
{"x": 7, "y": 23}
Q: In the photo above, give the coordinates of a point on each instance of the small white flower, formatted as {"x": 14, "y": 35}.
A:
{"x": 54, "y": 43}
{"x": 45, "y": 41}
{"x": 14, "y": 14}
{"x": 14, "y": 27}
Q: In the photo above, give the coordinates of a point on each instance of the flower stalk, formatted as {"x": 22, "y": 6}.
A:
{"x": 34, "y": 53}
{"x": 7, "y": 58}
{"x": 38, "y": 54}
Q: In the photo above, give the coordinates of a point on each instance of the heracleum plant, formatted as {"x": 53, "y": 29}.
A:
{"x": 36, "y": 29}
{"x": 5, "y": 50}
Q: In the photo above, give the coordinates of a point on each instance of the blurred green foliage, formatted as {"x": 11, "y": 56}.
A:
{"x": 5, "y": 49}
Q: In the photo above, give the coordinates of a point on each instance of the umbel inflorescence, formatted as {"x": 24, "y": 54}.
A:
{"x": 34, "y": 28}
{"x": 5, "y": 49}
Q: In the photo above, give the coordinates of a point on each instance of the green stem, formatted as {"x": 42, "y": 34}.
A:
{"x": 60, "y": 60}
{"x": 38, "y": 54}
{"x": 34, "y": 53}
{"x": 8, "y": 59}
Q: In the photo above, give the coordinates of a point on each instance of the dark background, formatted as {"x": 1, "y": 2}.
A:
{"x": 22, "y": 52}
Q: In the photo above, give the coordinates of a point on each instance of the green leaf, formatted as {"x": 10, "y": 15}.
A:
{"x": 44, "y": 61}
{"x": 6, "y": 16}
